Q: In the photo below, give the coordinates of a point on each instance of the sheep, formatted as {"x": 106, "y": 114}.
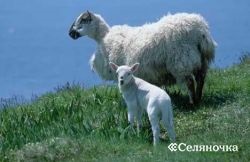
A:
{"x": 176, "y": 49}
{"x": 140, "y": 95}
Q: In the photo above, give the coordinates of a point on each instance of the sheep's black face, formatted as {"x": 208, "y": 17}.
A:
{"x": 74, "y": 34}
{"x": 81, "y": 26}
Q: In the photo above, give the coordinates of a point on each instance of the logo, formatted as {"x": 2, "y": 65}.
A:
{"x": 172, "y": 147}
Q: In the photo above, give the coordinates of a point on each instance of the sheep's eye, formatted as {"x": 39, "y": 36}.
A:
{"x": 78, "y": 27}
{"x": 129, "y": 73}
{"x": 86, "y": 21}
{"x": 86, "y": 18}
{"x": 83, "y": 21}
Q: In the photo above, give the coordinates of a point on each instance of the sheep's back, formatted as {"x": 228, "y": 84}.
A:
{"x": 165, "y": 48}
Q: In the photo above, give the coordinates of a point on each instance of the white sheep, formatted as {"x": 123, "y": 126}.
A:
{"x": 177, "y": 48}
{"x": 140, "y": 95}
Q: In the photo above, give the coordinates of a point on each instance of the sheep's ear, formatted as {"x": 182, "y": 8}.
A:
{"x": 89, "y": 13}
{"x": 113, "y": 66}
{"x": 135, "y": 67}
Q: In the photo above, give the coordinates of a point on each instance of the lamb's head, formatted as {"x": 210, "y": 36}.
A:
{"x": 124, "y": 72}
{"x": 88, "y": 24}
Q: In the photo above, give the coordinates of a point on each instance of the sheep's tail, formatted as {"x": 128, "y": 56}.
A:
{"x": 207, "y": 48}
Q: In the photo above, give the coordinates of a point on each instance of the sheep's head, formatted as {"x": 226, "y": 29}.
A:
{"x": 83, "y": 25}
{"x": 124, "y": 73}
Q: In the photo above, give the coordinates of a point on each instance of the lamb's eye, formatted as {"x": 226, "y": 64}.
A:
{"x": 129, "y": 73}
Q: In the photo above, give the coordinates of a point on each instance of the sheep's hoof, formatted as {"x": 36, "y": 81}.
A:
{"x": 197, "y": 100}
{"x": 191, "y": 104}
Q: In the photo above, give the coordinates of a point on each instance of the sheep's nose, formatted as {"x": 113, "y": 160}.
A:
{"x": 74, "y": 34}
{"x": 121, "y": 77}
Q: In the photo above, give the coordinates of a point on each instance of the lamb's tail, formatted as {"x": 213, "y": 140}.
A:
{"x": 206, "y": 47}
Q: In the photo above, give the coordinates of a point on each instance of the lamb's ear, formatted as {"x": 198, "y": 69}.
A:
{"x": 135, "y": 67}
{"x": 113, "y": 66}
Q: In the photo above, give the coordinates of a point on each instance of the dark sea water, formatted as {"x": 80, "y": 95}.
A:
{"x": 37, "y": 55}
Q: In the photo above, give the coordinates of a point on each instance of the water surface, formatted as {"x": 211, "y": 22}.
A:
{"x": 37, "y": 55}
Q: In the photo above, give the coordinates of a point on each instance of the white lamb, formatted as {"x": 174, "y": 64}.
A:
{"x": 177, "y": 48}
{"x": 140, "y": 95}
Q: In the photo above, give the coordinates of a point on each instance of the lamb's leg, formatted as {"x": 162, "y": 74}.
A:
{"x": 139, "y": 120}
{"x": 190, "y": 83}
{"x": 167, "y": 121}
{"x": 132, "y": 112}
{"x": 154, "y": 121}
{"x": 200, "y": 79}
{"x": 131, "y": 118}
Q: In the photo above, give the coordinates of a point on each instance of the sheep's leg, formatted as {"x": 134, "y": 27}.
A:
{"x": 154, "y": 121}
{"x": 200, "y": 79}
{"x": 190, "y": 83}
{"x": 167, "y": 121}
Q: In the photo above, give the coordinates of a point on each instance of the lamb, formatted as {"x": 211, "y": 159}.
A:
{"x": 140, "y": 95}
{"x": 176, "y": 49}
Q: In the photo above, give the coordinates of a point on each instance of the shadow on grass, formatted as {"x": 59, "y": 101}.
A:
{"x": 216, "y": 100}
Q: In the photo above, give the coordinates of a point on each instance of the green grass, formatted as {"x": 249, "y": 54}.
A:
{"x": 74, "y": 124}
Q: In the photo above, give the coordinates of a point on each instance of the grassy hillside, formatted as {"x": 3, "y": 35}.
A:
{"x": 74, "y": 124}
